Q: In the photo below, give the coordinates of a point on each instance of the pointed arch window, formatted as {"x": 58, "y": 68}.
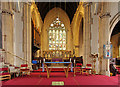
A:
{"x": 57, "y": 35}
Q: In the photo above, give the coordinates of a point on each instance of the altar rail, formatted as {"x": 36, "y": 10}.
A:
{"x": 57, "y": 54}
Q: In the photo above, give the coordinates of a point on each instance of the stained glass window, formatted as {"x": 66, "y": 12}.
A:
{"x": 57, "y": 35}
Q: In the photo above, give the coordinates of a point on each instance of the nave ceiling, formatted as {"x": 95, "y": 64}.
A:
{"x": 68, "y": 7}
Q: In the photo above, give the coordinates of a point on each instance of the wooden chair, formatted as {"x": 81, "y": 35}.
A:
{"x": 14, "y": 70}
{"x": 78, "y": 68}
{"x": 4, "y": 74}
{"x": 17, "y": 71}
{"x": 88, "y": 68}
{"x": 24, "y": 69}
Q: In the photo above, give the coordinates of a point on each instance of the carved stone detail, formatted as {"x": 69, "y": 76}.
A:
{"x": 107, "y": 14}
{"x": 86, "y": 4}
{"x": 7, "y": 11}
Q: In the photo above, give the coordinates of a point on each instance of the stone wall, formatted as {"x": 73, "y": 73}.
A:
{"x": 114, "y": 42}
{"x": 18, "y": 36}
{"x": 50, "y": 17}
{"x": 7, "y": 30}
{"x": 0, "y": 27}
{"x": 16, "y": 31}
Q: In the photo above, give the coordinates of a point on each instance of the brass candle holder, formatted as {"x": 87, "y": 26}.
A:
{"x": 94, "y": 56}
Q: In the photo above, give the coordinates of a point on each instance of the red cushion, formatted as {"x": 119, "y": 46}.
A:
{"x": 117, "y": 67}
{"x": 3, "y": 69}
{"x": 17, "y": 67}
{"x": 4, "y": 73}
{"x": 24, "y": 65}
{"x": 24, "y": 69}
{"x": 88, "y": 65}
{"x": 79, "y": 64}
{"x": 77, "y": 67}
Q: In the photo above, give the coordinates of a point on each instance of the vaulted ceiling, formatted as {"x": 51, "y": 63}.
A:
{"x": 68, "y": 7}
{"x": 116, "y": 29}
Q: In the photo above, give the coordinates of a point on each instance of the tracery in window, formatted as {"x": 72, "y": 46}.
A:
{"x": 57, "y": 35}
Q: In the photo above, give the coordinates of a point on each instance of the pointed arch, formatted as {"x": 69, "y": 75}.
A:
{"x": 77, "y": 30}
{"x": 113, "y": 23}
{"x": 50, "y": 17}
{"x": 36, "y": 18}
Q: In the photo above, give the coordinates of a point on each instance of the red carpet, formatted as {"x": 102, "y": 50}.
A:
{"x": 91, "y": 80}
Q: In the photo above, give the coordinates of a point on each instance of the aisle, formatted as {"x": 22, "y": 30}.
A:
{"x": 35, "y": 79}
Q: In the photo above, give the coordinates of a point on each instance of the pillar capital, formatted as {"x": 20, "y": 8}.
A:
{"x": 105, "y": 15}
{"x": 85, "y": 4}
{"x": 5, "y": 11}
{"x": 28, "y": 3}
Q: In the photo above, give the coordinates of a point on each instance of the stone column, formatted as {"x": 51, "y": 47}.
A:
{"x": 0, "y": 26}
{"x": 80, "y": 49}
{"x": 27, "y": 34}
{"x": 76, "y": 50}
{"x": 18, "y": 35}
{"x": 7, "y": 31}
{"x": 104, "y": 37}
{"x": 87, "y": 33}
{"x": 69, "y": 41}
{"x": 29, "y": 40}
{"x": 25, "y": 30}
{"x": 0, "y": 30}
{"x": 94, "y": 35}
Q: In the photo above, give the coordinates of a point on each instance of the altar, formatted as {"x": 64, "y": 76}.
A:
{"x": 59, "y": 56}
{"x": 49, "y": 68}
